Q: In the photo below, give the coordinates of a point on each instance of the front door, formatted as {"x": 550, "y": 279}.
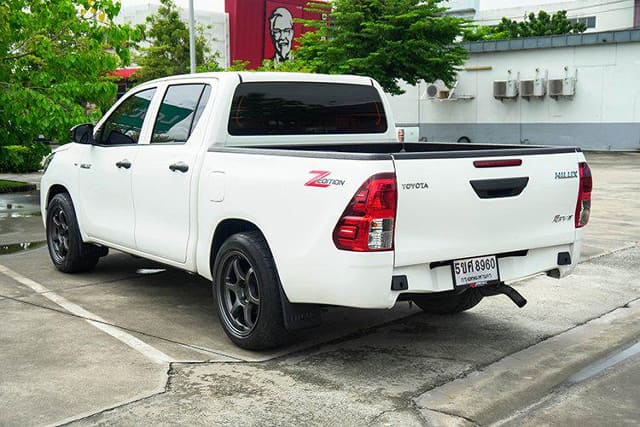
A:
{"x": 106, "y": 201}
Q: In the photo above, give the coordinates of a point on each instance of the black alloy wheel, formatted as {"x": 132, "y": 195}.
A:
{"x": 68, "y": 252}
{"x": 240, "y": 293}
{"x": 247, "y": 292}
{"x": 59, "y": 235}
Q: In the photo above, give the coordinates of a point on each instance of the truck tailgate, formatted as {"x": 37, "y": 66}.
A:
{"x": 450, "y": 209}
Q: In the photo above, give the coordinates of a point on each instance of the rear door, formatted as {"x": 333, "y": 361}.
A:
{"x": 164, "y": 171}
{"x": 449, "y": 208}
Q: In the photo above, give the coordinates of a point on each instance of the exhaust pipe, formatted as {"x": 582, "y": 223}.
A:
{"x": 507, "y": 290}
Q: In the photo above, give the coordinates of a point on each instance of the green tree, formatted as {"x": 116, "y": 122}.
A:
{"x": 541, "y": 25}
{"x": 289, "y": 66}
{"x": 55, "y": 56}
{"x": 389, "y": 40}
{"x": 168, "y": 53}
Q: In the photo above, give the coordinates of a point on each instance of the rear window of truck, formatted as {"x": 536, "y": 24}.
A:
{"x": 303, "y": 108}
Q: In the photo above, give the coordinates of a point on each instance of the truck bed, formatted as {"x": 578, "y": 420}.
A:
{"x": 383, "y": 151}
{"x": 453, "y": 203}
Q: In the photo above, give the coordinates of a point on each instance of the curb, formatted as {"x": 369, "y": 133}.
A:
{"x": 18, "y": 188}
{"x": 521, "y": 379}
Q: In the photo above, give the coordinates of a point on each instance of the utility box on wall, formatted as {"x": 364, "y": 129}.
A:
{"x": 264, "y": 29}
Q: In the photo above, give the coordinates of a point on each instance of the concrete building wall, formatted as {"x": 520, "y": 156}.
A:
{"x": 610, "y": 14}
{"x": 215, "y": 23}
{"x": 603, "y": 114}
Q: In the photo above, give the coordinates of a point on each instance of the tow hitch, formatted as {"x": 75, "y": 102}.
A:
{"x": 507, "y": 290}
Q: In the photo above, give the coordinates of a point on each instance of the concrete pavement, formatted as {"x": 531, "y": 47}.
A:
{"x": 20, "y": 221}
{"x": 378, "y": 376}
{"x": 611, "y": 397}
{"x": 615, "y": 218}
{"x": 360, "y": 367}
{"x": 523, "y": 378}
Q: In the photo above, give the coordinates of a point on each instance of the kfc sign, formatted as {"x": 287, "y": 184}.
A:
{"x": 265, "y": 29}
{"x": 281, "y": 32}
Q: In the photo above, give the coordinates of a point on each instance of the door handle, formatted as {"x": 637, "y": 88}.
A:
{"x": 180, "y": 166}
{"x": 498, "y": 188}
{"x": 124, "y": 163}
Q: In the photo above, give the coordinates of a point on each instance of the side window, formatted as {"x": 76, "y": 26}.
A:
{"x": 179, "y": 113}
{"x": 125, "y": 123}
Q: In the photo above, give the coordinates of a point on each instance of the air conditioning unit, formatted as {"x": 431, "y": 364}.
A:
{"x": 505, "y": 89}
{"x": 526, "y": 88}
{"x": 555, "y": 87}
{"x": 565, "y": 87}
{"x": 437, "y": 90}
{"x": 536, "y": 88}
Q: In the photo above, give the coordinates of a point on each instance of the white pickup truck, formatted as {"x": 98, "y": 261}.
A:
{"x": 290, "y": 192}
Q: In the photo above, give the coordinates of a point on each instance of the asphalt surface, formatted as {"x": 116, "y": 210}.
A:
{"x": 133, "y": 342}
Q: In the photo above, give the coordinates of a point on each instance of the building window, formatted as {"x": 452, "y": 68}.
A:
{"x": 588, "y": 21}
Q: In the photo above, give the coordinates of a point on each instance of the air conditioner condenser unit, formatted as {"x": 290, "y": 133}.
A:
{"x": 565, "y": 87}
{"x": 505, "y": 89}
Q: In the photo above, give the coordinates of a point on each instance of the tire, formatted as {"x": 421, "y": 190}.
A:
{"x": 448, "y": 303}
{"x": 464, "y": 139}
{"x": 68, "y": 252}
{"x": 246, "y": 291}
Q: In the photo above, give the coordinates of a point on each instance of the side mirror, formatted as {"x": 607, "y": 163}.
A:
{"x": 82, "y": 134}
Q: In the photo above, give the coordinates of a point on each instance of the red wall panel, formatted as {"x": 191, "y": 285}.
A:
{"x": 249, "y": 29}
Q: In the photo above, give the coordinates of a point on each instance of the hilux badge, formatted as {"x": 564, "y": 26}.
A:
{"x": 566, "y": 174}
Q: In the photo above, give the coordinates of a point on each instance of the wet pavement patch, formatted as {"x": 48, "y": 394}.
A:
{"x": 20, "y": 205}
{"x": 604, "y": 364}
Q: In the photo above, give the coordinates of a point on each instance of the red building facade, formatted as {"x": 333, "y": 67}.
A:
{"x": 264, "y": 29}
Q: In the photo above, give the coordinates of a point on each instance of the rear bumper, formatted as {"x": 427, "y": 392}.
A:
{"x": 364, "y": 280}
{"x": 425, "y": 279}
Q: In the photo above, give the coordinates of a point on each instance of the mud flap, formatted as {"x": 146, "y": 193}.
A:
{"x": 299, "y": 316}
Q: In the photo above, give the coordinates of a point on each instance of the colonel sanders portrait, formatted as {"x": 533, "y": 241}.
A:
{"x": 281, "y": 30}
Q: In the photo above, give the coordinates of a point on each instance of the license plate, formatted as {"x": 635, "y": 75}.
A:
{"x": 474, "y": 272}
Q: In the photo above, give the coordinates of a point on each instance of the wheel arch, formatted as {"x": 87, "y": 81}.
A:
{"x": 225, "y": 229}
{"x": 56, "y": 189}
{"x": 62, "y": 188}
{"x": 296, "y": 316}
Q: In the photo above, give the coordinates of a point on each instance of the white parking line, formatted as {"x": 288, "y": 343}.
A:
{"x": 148, "y": 351}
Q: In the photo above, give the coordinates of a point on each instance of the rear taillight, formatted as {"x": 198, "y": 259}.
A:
{"x": 368, "y": 222}
{"x": 583, "y": 207}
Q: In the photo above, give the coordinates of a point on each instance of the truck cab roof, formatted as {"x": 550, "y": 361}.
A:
{"x": 252, "y": 76}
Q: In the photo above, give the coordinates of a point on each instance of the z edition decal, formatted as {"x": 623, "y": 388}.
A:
{"x": 321, "y": 180}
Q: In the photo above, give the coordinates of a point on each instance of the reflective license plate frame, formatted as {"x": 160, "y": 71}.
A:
{"x": 464, "y": 280}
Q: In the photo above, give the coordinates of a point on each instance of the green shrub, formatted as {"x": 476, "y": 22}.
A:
{"x": 22, "y": 158}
